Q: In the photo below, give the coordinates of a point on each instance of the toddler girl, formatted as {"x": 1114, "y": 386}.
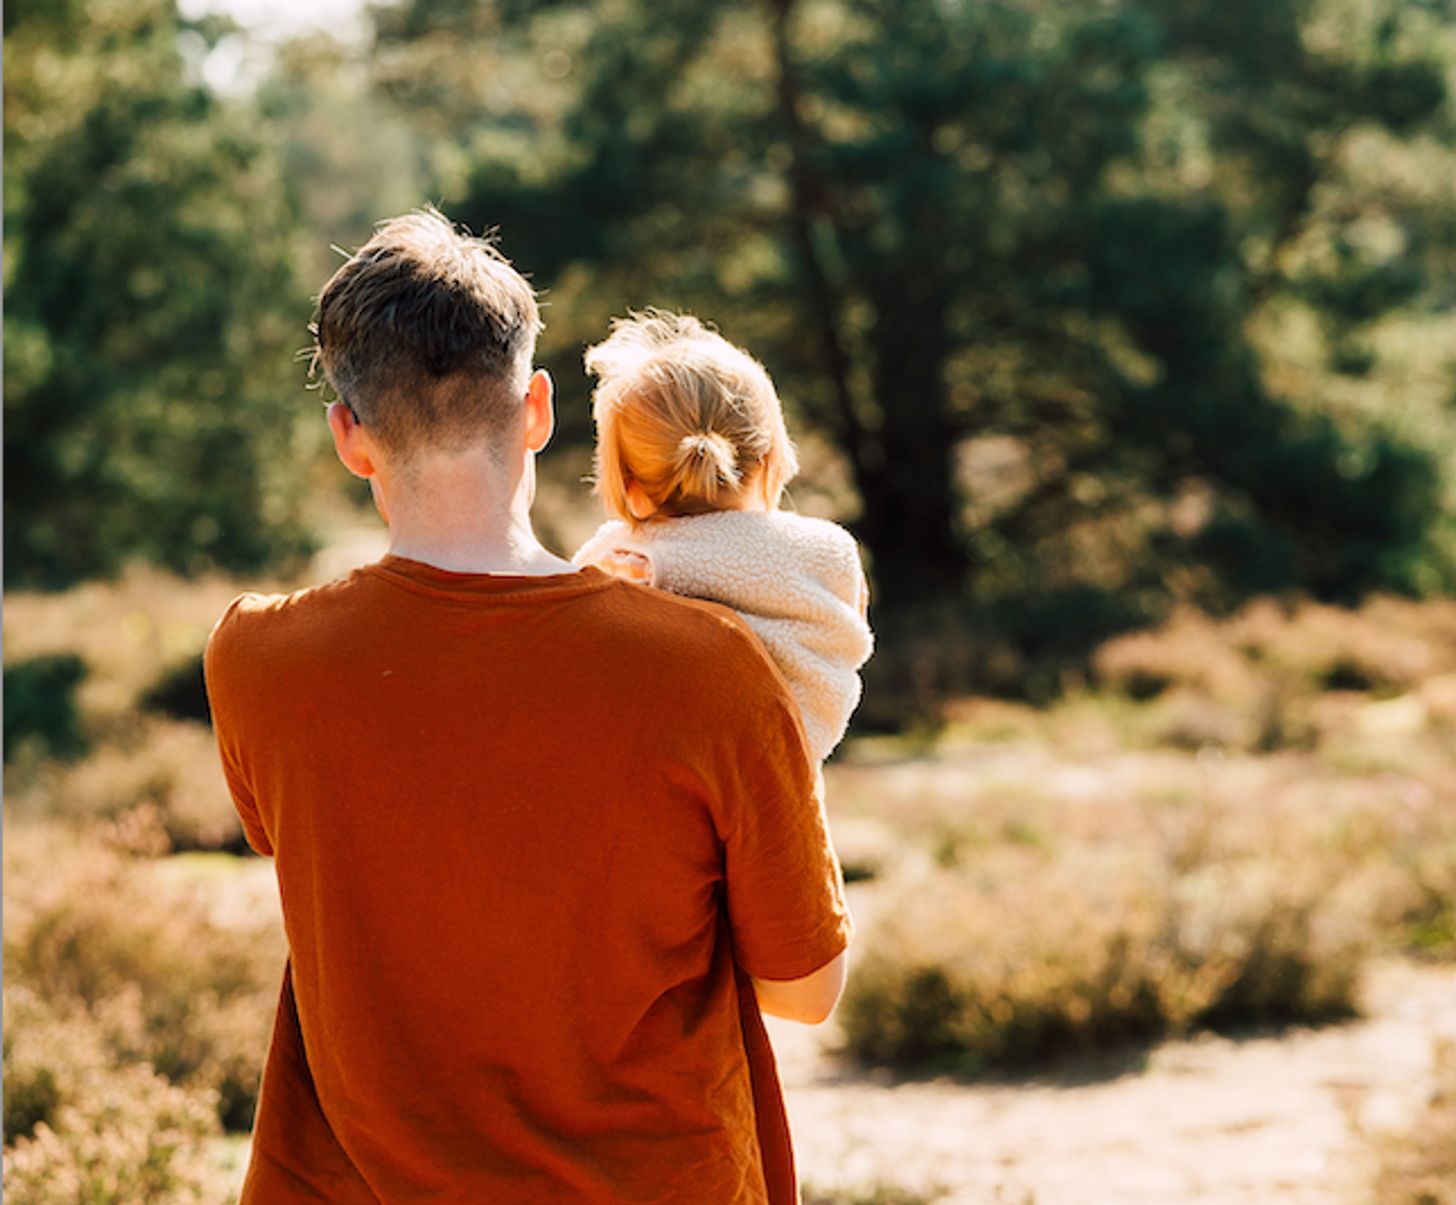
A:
{"x": 691, "y": 461}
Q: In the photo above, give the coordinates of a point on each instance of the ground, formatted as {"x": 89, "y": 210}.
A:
{"x": 1280, "y": 1118}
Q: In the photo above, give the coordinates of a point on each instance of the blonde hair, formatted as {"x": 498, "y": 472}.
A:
{"x": 689, "y": 417}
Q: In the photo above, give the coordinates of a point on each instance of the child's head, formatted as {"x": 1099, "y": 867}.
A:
{"x": 686, "y": 422}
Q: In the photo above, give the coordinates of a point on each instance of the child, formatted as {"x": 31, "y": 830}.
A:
{"x": 692, "y": 458}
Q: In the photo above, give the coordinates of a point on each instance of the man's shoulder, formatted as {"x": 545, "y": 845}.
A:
{"x": 703, "y": 645}
{"x": 683, "y": 661}
{"x": 681, "y": 625}
{"x": 254, "y": 619}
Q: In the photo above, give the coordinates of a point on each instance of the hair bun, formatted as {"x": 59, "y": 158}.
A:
{"x": 707, "y": 466}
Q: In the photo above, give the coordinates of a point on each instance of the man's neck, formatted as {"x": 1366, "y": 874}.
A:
{"x": 460, "y": 515}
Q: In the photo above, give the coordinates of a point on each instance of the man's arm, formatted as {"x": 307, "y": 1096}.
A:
{"x": 809, "y": 1000}
{"x": 221, "y": 661}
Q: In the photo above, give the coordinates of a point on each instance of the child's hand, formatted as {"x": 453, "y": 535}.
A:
{"x": 629, "y": 566}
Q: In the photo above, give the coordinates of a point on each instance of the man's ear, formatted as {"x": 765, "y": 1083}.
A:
{"x": 350, "y": 442}
{"x": 540, "y": 410}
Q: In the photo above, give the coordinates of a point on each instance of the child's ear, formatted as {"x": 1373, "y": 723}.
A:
{"x": 638, "y": 503}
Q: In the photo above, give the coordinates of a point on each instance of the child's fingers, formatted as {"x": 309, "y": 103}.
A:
{"x": 631, "y": 566}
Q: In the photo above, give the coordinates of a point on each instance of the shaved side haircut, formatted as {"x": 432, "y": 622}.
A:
{"x": 427, "y": 333}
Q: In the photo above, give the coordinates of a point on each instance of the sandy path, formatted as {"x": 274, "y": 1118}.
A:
{"x": 1212, "y": 1121}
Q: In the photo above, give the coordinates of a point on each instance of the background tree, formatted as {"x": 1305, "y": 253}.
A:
{"x": 151, "y": 303}
{"x": 1028, "y": 267}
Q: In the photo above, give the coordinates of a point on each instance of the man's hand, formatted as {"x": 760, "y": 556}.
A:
{"x": 809, "y": 1000}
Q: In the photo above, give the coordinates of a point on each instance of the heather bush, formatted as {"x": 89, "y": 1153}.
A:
{"x": 1017, "y": 960}
{"x": 163, "y": 771}
{"x": 149, "y": 756}
{"x": 1423, "y": 894}
{"x": 1038, "y": 905}
{"x": 1189, "y": 650}
{"x": 126, "y": 631}
{"x": 85, "y": 1127}
{"x": 1252, "y": 681}
{"x": 163, "y": 984}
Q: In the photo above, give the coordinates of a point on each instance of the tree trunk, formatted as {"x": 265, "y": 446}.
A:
{"x": 906, "y": 478}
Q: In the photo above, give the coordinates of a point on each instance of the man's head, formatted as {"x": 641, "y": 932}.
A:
{"x": 427, "y": 335}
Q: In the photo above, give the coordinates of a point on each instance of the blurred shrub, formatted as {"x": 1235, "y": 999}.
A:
{"x": 1246, "y": 679}
{"x": 1029, "y": 648}
{"x": 160, "y": 778}
{"x": 1424, "y": 895}
{"x": 85, "y": 1128}
{"x": 179, "y": 692}
{"x": 1253, "y": 681}
{"x": 1387, "y": 646}
{"x": 149, "y": 762}
{"x": 40, "y": 706}
{"x": 1189, "y": 650}
{"x": 1003, "y": 966}
{"x": 144, "y": 965}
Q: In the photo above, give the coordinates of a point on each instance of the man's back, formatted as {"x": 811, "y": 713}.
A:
{"x": 524, "y": 828}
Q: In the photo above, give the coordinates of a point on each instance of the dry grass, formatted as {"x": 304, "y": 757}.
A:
{"x": 1419, "y": 1168}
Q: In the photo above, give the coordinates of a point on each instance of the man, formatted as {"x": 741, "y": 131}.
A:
{"x": 542, "y": 836}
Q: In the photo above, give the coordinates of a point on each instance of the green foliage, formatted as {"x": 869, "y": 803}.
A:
{"x": 179, "y": 691}
{"x": 40, "y": 706}
{"x": 152, "y": 307}
{"x": 1064, "y": 229}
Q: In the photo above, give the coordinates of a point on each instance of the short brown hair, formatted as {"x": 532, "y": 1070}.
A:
{"x": 688, "y": 416}
{"x": 428, "y": 334}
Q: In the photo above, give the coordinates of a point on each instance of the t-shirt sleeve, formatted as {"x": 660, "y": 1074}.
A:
{"x": 784, "y": 887}
{"x": 220, "y": 668}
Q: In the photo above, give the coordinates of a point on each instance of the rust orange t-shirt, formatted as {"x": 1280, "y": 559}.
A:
{"x": 530, "y": 835}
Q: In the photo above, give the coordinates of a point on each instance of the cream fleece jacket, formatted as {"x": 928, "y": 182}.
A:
{"x": 797, "y": 582}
